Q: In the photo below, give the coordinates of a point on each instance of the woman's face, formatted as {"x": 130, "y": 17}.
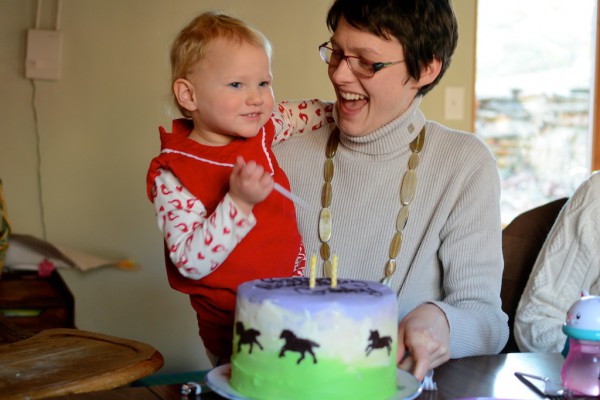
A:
{"x": 366, "y": 104}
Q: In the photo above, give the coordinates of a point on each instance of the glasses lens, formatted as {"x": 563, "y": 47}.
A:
{"x": 361, "y": 67}
{"x": 358, "y": 66}
{"x": 325, "y": 53}
{"x": 328, "y": 55}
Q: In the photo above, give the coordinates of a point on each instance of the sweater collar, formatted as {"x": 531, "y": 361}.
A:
{"x": 391, "y": 138}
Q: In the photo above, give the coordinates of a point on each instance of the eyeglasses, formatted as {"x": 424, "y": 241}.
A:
{"x": 358, "y": 66}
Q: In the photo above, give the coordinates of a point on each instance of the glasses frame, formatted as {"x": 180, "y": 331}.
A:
{"x": 376, "y": 66}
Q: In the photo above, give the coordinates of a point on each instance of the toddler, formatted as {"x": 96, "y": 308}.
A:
{"x": 212, "y": 182}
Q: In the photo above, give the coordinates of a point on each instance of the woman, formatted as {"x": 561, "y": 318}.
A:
{"x": 445, "y": 260}
{"x": 568, "y": 263}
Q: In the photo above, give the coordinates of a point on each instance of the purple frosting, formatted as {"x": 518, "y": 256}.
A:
{"x": 295, "y": 294}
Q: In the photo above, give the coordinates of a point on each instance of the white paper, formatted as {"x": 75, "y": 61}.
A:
{"x": 26, "y": 252}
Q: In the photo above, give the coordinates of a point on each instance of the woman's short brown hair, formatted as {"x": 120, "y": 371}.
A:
{"x": 426, "y": 29}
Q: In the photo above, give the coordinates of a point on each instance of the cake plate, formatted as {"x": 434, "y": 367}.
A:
{"x": 217, "y": 379}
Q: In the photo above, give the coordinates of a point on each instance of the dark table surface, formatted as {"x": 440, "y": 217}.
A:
{"x": 471, "y": 377}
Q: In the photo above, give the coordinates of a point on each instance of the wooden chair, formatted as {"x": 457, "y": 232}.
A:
{"x": 522, "y": 240}
{"x": 57, "y": 362}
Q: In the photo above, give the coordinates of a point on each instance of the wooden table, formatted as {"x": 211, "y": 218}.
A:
{"x": 493, "y": 376}
{"x": 482, "y": 376}
{"x": 60, "y": 361}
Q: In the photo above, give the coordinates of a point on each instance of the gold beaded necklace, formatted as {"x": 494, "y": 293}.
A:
{"x": 407, "y": 191}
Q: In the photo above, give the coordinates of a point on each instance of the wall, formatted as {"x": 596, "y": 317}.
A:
{"x": 96, "y": 129}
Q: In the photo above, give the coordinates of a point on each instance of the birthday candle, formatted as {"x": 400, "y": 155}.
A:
{"x": 313, "y": 272}
{"x": 334, "y": 271}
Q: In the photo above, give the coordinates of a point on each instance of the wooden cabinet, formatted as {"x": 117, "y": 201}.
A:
{"x": 34, "y": 303}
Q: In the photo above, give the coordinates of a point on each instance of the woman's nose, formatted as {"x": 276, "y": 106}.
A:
{"x": 341, "y": 73}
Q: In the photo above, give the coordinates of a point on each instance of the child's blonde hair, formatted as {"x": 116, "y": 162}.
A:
{"x": 189, "y": 46}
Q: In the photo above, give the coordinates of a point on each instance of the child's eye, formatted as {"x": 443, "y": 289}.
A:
{"x": 235, "y": 84}
{"x": 265, "y": 84}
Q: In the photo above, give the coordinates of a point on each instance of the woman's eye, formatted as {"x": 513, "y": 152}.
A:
{"x": 364, "y": 64}
{"x": 337, "y": 55}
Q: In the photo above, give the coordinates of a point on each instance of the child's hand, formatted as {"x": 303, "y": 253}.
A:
{"x": 249, "y": 184}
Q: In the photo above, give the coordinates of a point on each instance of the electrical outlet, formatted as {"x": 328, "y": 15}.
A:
{"x": 43, "y": 60}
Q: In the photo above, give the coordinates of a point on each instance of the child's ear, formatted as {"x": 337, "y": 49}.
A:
{"x": 184, "y": 93}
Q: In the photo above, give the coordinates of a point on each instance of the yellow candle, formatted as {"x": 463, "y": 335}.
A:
{"x": 334, "y": 271}
{"x": 313, "y": 272}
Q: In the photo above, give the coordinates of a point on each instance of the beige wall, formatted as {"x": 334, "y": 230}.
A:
{"x": 97, "y": 130}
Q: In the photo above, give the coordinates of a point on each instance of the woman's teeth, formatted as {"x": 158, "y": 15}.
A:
{"x": 352, "y": 96}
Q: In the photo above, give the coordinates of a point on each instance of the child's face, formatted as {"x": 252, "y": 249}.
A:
{"x": 234, "y": 97}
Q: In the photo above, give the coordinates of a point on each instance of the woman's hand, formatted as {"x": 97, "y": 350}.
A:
{"x": 423, "y": 340}
{"x": 249, "y": 184}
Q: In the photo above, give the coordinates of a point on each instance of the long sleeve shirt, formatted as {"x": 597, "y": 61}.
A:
{"x": 568, "y": 263}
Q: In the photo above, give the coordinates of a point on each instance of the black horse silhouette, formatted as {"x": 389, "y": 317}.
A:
{"x": 299, "y": 345}
{"x": 377, "y": 342}
{"x": 247, "y": 336}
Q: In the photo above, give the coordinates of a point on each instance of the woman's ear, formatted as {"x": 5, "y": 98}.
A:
{"x": 430, "y": 72}
{"x": 184, "y": 93}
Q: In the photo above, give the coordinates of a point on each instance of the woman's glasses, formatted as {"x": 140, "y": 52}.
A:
{"x": 361, "y": 68}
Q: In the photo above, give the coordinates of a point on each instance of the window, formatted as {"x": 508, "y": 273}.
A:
{"x": 535, "y": 97}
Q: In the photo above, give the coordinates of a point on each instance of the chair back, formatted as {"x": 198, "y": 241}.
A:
{"x": 522, "y": 240}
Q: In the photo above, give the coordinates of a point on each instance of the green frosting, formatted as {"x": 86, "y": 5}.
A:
{"x": 265, "y": 376}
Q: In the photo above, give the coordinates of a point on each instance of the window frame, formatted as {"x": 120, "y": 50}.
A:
{"x": 596, "y": 106}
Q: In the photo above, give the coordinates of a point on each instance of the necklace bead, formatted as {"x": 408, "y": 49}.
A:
{"x": 325, "y": 251}
{"x": 390, "y": 268}
{"x": 332, "y": 143}
{"x": 408, "y": 186}
{"x": 325, "y": 225}
{"x": 328, "y": 170}
{"x": 396, "y": 244}
{"x": 326, "y": 194}
{"x": 402, "y": 218}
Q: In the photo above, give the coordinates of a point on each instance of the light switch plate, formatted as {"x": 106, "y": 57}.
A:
{"x": 454, "y": 103}
{"x": 44, "y": 51}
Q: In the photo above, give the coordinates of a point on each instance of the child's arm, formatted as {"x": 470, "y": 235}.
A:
{"x": 198, "y": 243}
{"x": 298, "y": 117}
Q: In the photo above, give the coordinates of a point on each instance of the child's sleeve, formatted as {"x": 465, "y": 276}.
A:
{"x": 197, "y": 243}
{"x": 298, "y": 117}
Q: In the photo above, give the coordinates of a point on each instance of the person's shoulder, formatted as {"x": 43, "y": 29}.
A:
{"x": 459, "y": 141}
{"x": 589, "y": 190}
{"x": 434, "y": 127}
{"x": 584, "y": 203}
{"x": 589, "y": 187}
{"x": 594, "y": 180}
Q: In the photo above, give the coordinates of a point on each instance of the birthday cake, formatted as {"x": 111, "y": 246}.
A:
{"x": 292, "y": 341}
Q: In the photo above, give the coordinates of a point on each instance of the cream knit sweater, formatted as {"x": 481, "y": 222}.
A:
{"x": 568, "y": 263}
{"x": 451, "y": 253}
